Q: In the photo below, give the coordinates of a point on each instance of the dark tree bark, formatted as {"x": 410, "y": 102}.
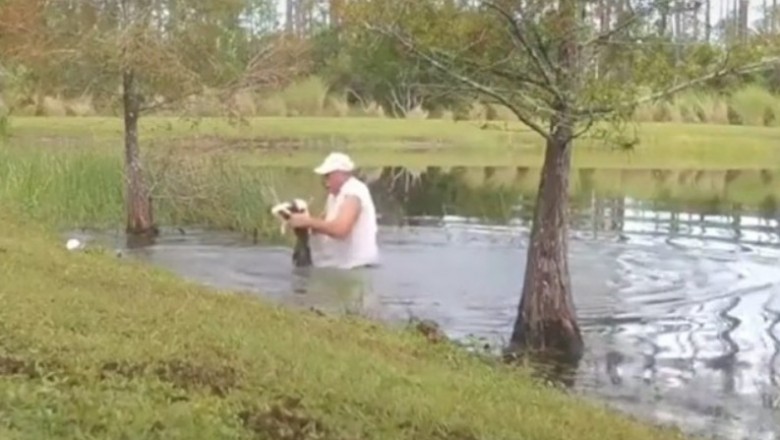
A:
{"x": 743, "y": 19}
{"x": 289, "y": 16}
{"x": 335, "y": 12}
{"x": 663, "y": 22}
{"x": 140, "y": 220}
{"x": 546, "y": 320}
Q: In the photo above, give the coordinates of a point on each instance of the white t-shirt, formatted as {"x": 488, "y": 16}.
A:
{"x": 359, "y": 248}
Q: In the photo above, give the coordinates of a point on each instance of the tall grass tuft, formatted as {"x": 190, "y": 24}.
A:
{"x": 77, "y": 190}
{"x": 751, "y": 105}
{"x": 754, "y": 105}
{"x": 693, "y": 107}
{"x": 665, "y": 111}
{"x": 273, "y": 106}
{"x": 82, "y": 189}
{"x": 214, "y": 191}
{"x": 337, "y": 106}
{"x": 306, "y": 97}
{"x": 313, "y": 96}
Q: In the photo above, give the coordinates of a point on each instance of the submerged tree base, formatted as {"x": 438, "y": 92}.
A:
{"x": 138, "y": 241}
{"x": 560, "y": 341}
{"x": 548, "y": 369}
{"x": 140, "y": 231}
{"x": 558, "y": 361}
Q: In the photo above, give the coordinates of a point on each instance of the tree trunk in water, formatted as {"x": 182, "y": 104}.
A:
{"x": 138, "y": 200}
{"x": 546, "y": 320}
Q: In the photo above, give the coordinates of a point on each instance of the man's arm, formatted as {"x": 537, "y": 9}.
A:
{"x": 340, "y": 226}
{"x": 322, "y": 216}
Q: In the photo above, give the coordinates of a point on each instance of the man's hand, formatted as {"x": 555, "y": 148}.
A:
{"x": 299, "y": 220}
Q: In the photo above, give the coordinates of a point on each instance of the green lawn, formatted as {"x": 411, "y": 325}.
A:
{"x": 97, "y": 347}
{"x": 380, "y": 141}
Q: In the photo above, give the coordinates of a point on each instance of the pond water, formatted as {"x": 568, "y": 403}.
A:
{"x": 675, "y": 277}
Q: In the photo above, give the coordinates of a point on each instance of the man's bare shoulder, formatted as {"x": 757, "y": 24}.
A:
{"x": 352, "y": 199}
{"x": 356, "y": 187}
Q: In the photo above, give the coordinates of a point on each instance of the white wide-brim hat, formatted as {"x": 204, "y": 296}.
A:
{"x": 335, "y": 162}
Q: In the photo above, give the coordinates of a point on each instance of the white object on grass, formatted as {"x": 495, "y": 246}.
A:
{"x": 73, "y": 244}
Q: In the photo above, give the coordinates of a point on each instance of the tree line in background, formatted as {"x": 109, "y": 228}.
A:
{"x": 313, "y": 57}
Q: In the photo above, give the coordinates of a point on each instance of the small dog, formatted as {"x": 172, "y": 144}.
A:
{"x": 301, "y": 256}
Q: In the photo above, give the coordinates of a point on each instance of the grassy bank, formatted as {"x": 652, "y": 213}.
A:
{"x": 95, "y": 347}
{"x": 310, "y": 132}
{"x": 373, "y": 141}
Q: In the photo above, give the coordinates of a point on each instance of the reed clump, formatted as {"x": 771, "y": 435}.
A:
{"x": 86, "y": 189}
{"x": 749, "y": 105}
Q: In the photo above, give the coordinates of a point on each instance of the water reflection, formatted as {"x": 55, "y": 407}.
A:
{"x": 675, "y": 276}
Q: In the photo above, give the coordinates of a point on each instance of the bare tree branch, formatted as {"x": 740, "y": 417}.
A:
{"x": 513, "y": 75}
{"x": 589, "y": 124}
{"x": 404, "y": 97}
{"x": 518, "y": 33}
{"x": 642, "y": 14}
{"x": 749, "y": 68}
{"x": 276, "y": 64}
{"x": 482, "y": 88}
{"x": 757, "y": 66}
{"x": 633, "y": 19}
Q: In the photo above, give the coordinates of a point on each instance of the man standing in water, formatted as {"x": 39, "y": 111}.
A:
{"x": 347, "y": 233}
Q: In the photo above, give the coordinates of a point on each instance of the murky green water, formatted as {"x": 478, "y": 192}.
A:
{"x": 675, "y": 277}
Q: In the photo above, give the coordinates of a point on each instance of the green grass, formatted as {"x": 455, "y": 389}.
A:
{"x": 379, "y": 141}
{"x": 96, "y": 347}
{"x": 79, "y": 189}
{"x": 388, "y": 132}
{"x": 86, "y": 189}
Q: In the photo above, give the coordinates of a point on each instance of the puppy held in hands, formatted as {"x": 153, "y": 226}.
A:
{"x": 301, "y": 256}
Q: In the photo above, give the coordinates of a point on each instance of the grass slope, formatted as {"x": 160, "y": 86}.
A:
{"x": 93, "y": 347}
